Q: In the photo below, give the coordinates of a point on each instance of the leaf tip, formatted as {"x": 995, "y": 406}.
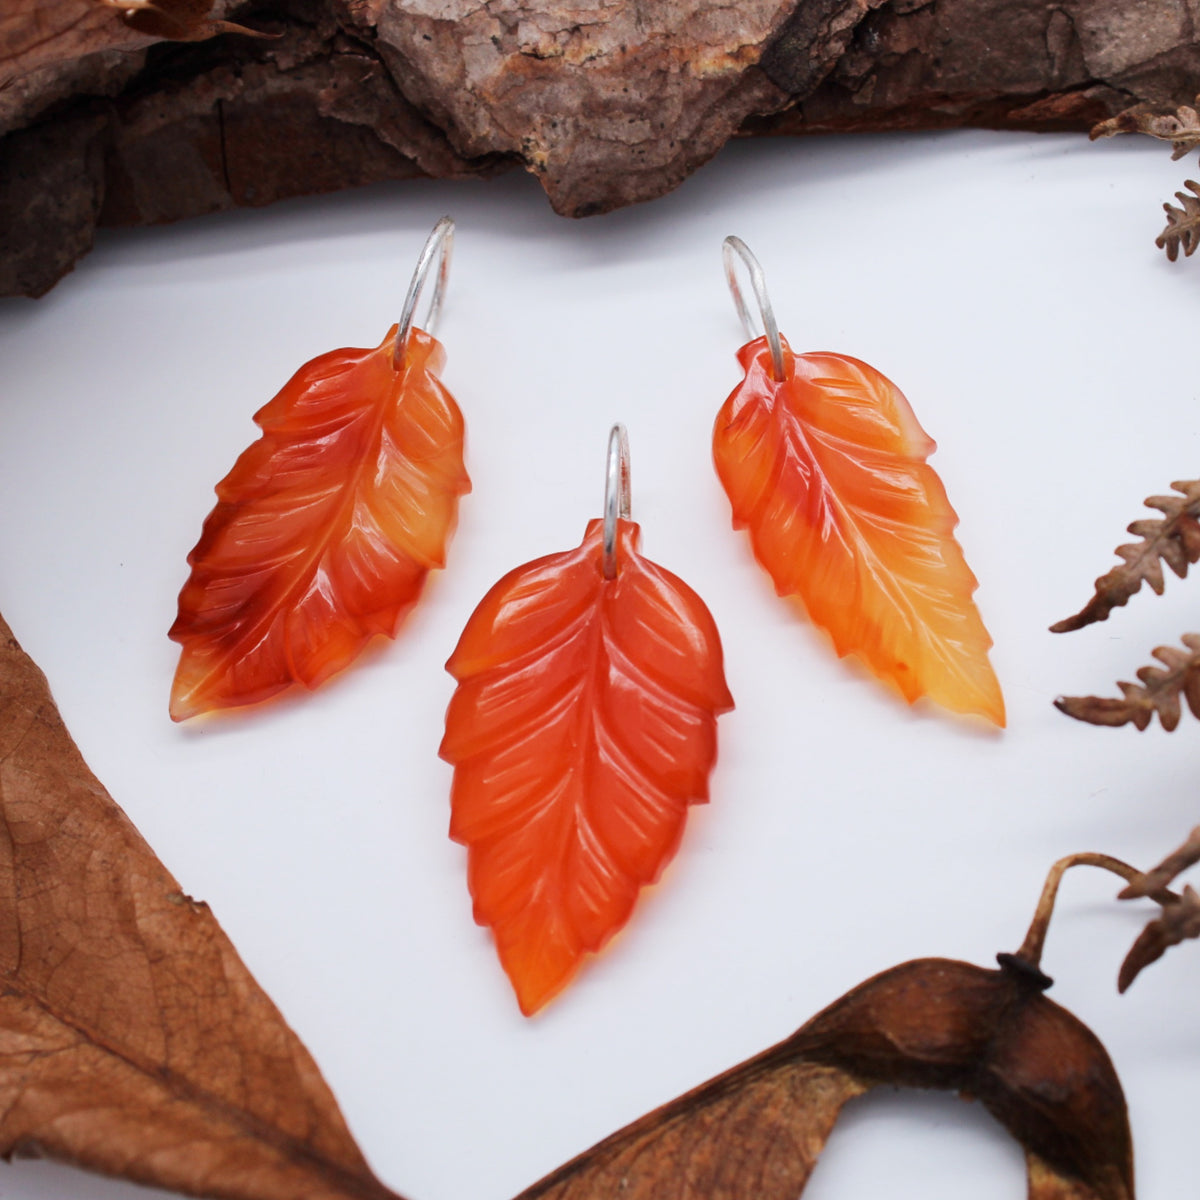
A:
{"x": 180, "y": 707}
{"x": 1067, "y": 625}
{"x": 536, "y": 980}
{"x": 1141, "y": 954}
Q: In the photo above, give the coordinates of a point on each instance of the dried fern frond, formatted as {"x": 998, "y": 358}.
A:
{"x": 1176, "y": 923}
{"x": 1179, "y": 126}
{"x": 1161, "y": 692}
{"x": 1173, "y": 539}
{"x": 1183, "y": 224}
{"x": 1146, "y": 883}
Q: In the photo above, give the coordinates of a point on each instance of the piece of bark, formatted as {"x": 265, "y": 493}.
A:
{"x": 51, "y": 192}
{"x": 607, "y": 104}
{"x": 311, "y": 111}
{"x": 1028, "y": 64}
{"x": 134, "y": 1040}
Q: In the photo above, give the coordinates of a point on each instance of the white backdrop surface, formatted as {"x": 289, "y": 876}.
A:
{"x": 1008, "y": 284}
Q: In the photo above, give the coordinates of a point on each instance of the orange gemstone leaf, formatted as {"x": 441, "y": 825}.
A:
{"x": 827, "y": 471}
{"x": 324, "y": 530}
{"x": 583, "y": 725}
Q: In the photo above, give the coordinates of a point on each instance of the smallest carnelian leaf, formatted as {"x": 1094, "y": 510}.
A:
{"x": 324, "y": 530}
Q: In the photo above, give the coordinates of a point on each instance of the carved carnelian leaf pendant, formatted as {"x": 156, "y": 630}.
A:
{"x": 583, "y": 726}
{"x": 826, "y": 469}
{"x": 325, "y": 528}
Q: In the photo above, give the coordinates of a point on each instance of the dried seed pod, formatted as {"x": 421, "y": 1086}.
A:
{"x": 991, "y": 1035}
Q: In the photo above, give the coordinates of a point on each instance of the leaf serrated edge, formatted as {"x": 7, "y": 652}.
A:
{"x": 1173, "y": 538}
{"x": 1160, "y": 692}
{"x": 1183, "y": 223}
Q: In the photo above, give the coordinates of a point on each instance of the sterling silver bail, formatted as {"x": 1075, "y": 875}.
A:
{"x": 616, "y": 495}
{"x": 734, "y": 245}
{"x": 437, "y": 247}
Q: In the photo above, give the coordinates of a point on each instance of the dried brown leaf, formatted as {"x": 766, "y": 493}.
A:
{"x": 992, "y": 1035}
{"x": 1183, "y": 224}
{"x": 1160, "y": 692}
{"x": 175, "y": 20}
{"x": 1176, "y": 923}
{"x": 39, "y": 34}
{"x": 1174, "y": 539}
{"x": 1179, "y": 126}
{"x": 1147, "y": 883}
{"x": 133, "y": 1040}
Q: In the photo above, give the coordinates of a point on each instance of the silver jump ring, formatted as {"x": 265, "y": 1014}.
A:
{"x": 616, "y": 495}
{"x": 730, "y": 247}
{"x": 438, "y": 245}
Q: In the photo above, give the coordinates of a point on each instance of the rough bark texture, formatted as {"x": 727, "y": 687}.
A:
{"x": 153, "y": 114}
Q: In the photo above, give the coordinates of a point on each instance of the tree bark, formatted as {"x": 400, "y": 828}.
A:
{"x": 136, "y": 115}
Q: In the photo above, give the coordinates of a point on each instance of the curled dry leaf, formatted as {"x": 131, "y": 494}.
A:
{"x": 325, "y": 529}
{"x": 1177, "y": 922}
{"x": 1174, "y": 539}
{"x": 826, "y": 471}
{"x": 583, "y": 726}
{"x": 934, "y": 1023}
{"x": 1179, "y": 126}
{"x": 133, "y": 1041}
{"x": 1183, "y": 223}
{"x": 40, "y": 35}
{"x": 1160, "y": 692}
{"x": 175, "y": 20}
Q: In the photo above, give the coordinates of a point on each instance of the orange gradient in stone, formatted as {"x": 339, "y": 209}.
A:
{"x": 826, "y": 471}
{"x": 324, "y": 530}
{"x": 583, "y": 726}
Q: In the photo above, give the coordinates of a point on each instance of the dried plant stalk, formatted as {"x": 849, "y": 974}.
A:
{"x": 1178, "y": 920}
{"x": 1160, "y": 692}
{"x": 1174, "y": 539}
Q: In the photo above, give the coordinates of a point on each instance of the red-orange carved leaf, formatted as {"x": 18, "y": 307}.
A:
{"x": 325, "y": 528}
{"x": 583, "y": 726}
{"x": 827, "y": 471}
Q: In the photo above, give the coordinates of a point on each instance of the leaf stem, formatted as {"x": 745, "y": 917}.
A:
{"x": 1030, "y": 953}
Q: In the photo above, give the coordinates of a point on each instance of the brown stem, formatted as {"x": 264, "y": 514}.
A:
{"x": 1030, "y": 953}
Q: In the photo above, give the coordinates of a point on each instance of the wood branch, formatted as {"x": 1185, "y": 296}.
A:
{"x": 140, "y": 111}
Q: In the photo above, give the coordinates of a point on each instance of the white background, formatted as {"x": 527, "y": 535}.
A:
{"x": 1008, "y": 284}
